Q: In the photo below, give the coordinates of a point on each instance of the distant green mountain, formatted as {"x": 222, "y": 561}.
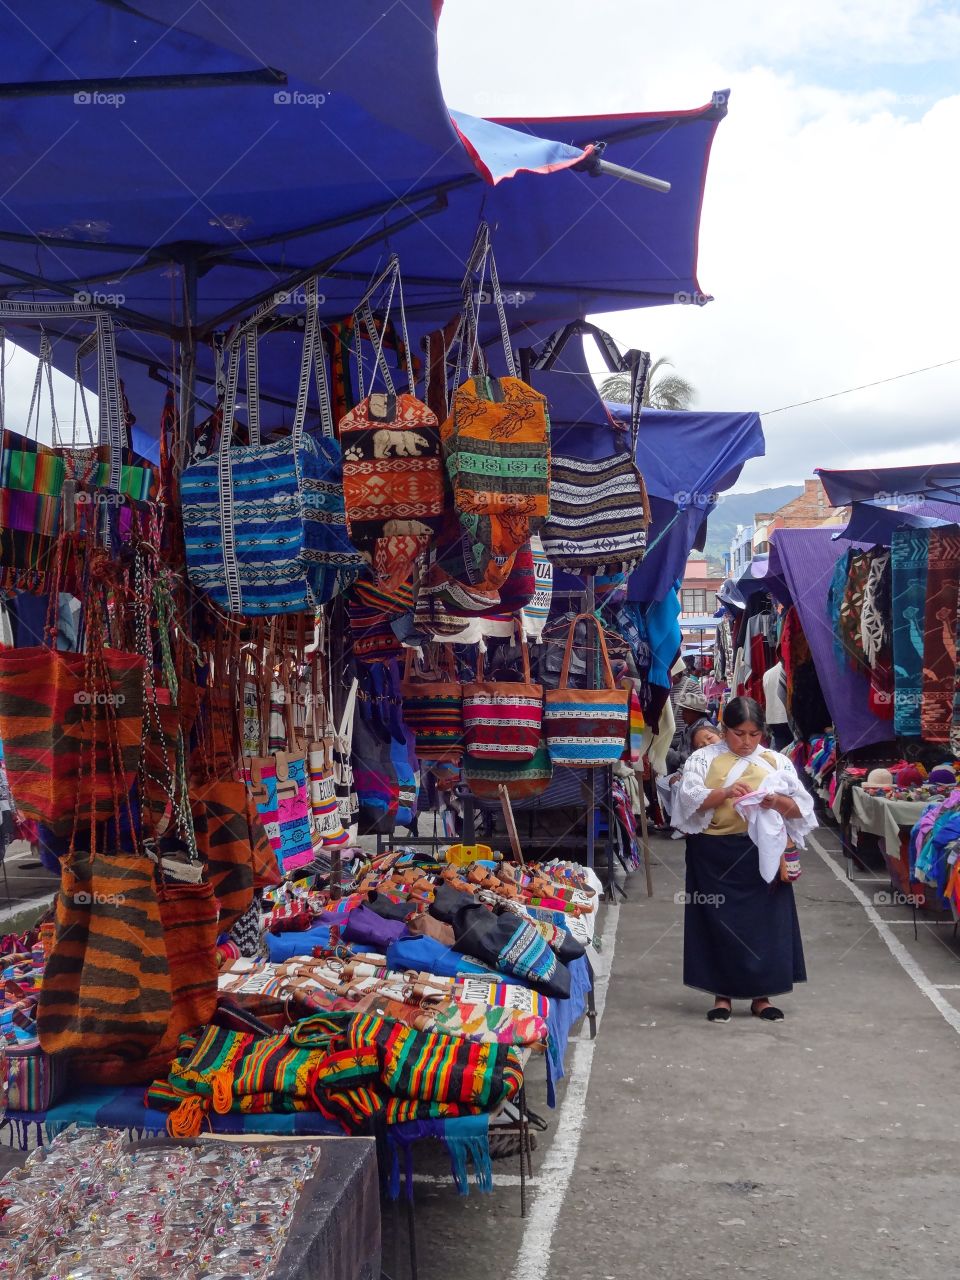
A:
{"x": 740, "y": 508}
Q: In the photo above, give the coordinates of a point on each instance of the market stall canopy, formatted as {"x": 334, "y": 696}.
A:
{"x": 180, "y": 166}
{"x": 876, "y": 525}
{"x": 804, "y": 560}
{"x": 884, "y": 486}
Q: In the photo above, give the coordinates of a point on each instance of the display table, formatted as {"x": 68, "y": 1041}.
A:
{"x": 289, "y": 1209}
{"x": 891, "y": 821}
{"x": 888, "y": 819}
{"x": 336, "y": 1227}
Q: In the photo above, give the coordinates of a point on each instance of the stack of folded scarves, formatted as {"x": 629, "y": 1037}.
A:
{"x": 351, "y": 1068}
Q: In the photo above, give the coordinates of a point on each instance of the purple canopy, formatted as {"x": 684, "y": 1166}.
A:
{"x": 803, "y": 561}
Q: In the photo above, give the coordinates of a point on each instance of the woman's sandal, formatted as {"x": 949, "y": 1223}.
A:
{"x": 719, "y": 1013}
{"x": 770, "y": 1014}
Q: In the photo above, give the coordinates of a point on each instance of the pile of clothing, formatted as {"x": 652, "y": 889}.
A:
{"x": 412, "y": 997}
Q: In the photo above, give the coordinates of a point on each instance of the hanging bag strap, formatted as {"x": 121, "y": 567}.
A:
{"x": 253, "y": 385}
{"x": 320, "y": 373}
{"x": 345, "y": 732}
{"x": 311, "y": 335}
{"x": 231, "y": 570}
{"x": 80, "y": 391}
{"x": 113, "y": 417}
{"x": 44, "y": 372}
{"x": 389, "y": 279}
{"x": 639, "y": 372}
{"x": 473, "y": 295}
{"x": 588, "y": 618}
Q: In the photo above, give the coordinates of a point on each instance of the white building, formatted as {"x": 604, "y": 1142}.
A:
{"x": 741, "y": 549}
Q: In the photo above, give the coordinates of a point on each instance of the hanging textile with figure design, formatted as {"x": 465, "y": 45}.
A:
{"x": 909, "y": 548}
{"x": 940, "y": 635}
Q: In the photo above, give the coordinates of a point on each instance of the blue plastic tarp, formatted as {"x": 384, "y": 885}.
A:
{"x": 939, "y": 482}
{"x": 342, "y": 152}
{"x": 876, "y": 525}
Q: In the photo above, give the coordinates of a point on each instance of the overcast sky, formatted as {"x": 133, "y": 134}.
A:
{"x": 831, "y": 221}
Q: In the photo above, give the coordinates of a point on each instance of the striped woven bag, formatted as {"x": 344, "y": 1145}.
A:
{"x": 586, "y": 727}
{"x": 32, "y": 474}
{"x": 264, "y": 525}
{"x": 502, "y": 719}
{"x": 599, "y": 513}
{"x": 219, "y": 807}
{"x": 106, "y": 984}
{"x": 433, "y": 709}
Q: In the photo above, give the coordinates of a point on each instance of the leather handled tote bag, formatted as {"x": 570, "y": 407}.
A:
{"x": 586, "y": 728}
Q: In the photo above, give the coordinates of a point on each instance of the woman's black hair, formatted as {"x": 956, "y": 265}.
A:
{"x": 739, "y": 710}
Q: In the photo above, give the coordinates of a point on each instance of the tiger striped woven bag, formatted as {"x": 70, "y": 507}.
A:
{"x": 106, "y": 984}
{"x": 52, "y": 716}
{"x": 586, "y": 728}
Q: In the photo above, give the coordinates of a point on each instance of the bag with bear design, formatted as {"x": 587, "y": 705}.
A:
{"x": 392, "y": 472}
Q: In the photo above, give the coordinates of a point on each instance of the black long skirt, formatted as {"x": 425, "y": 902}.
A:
{"x": 741, "y": 936}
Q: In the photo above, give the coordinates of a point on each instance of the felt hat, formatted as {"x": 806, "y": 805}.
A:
{"x": 909, "y": 775}
{"x": 879, "y": 778}
{"x": 943, "y": 775}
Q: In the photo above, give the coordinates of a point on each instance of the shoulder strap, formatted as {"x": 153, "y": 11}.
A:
{"x": 588, "y": 618}
{"x": 473, "y": 295}
{"x": 44, "y": 371}
{"x": 389, "y": 278}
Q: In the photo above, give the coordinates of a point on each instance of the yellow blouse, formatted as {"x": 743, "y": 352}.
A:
{"x": 725, "y": 820}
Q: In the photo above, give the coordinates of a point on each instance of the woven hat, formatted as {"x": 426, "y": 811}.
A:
{"x": 879, "y": 778}
{"x": 691, "y": 699}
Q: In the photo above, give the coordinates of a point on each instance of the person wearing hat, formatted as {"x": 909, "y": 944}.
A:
{"x": 741, "y": 934}
{"x": 691, "y": 709}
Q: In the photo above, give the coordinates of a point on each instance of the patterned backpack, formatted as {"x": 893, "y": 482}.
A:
{"x": 496, "y": 439}
{"x": 392, "y": 474}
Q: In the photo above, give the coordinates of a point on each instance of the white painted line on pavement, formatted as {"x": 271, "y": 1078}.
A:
{"x": 896, "y": 948}
{"x": 31, "y": 904}
{"x": 554, "y": 1175}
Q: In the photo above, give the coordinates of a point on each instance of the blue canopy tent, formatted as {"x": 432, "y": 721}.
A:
{"x": 888, "y": 498}
{"x": 183, "y": 169}
{"x": 938, "y": 482}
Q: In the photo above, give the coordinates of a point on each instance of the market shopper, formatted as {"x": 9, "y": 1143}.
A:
{"x": 741, "y": 932}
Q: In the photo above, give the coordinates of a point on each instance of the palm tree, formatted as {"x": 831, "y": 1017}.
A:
{"x": 668, "y": 391}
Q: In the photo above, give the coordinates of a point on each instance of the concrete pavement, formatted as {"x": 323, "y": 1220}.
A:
{"x": 820, "y": 1146}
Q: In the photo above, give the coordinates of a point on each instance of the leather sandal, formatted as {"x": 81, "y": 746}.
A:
{"x": 770, "y": 1014}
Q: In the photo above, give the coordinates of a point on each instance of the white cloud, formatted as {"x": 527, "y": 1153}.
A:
{"x": 829, "y": 225}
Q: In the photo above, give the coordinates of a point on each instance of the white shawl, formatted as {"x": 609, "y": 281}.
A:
{"x": 692, "y": 791}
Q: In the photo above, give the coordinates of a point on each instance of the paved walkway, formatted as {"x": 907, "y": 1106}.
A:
{"x": 822, "y": 1146}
